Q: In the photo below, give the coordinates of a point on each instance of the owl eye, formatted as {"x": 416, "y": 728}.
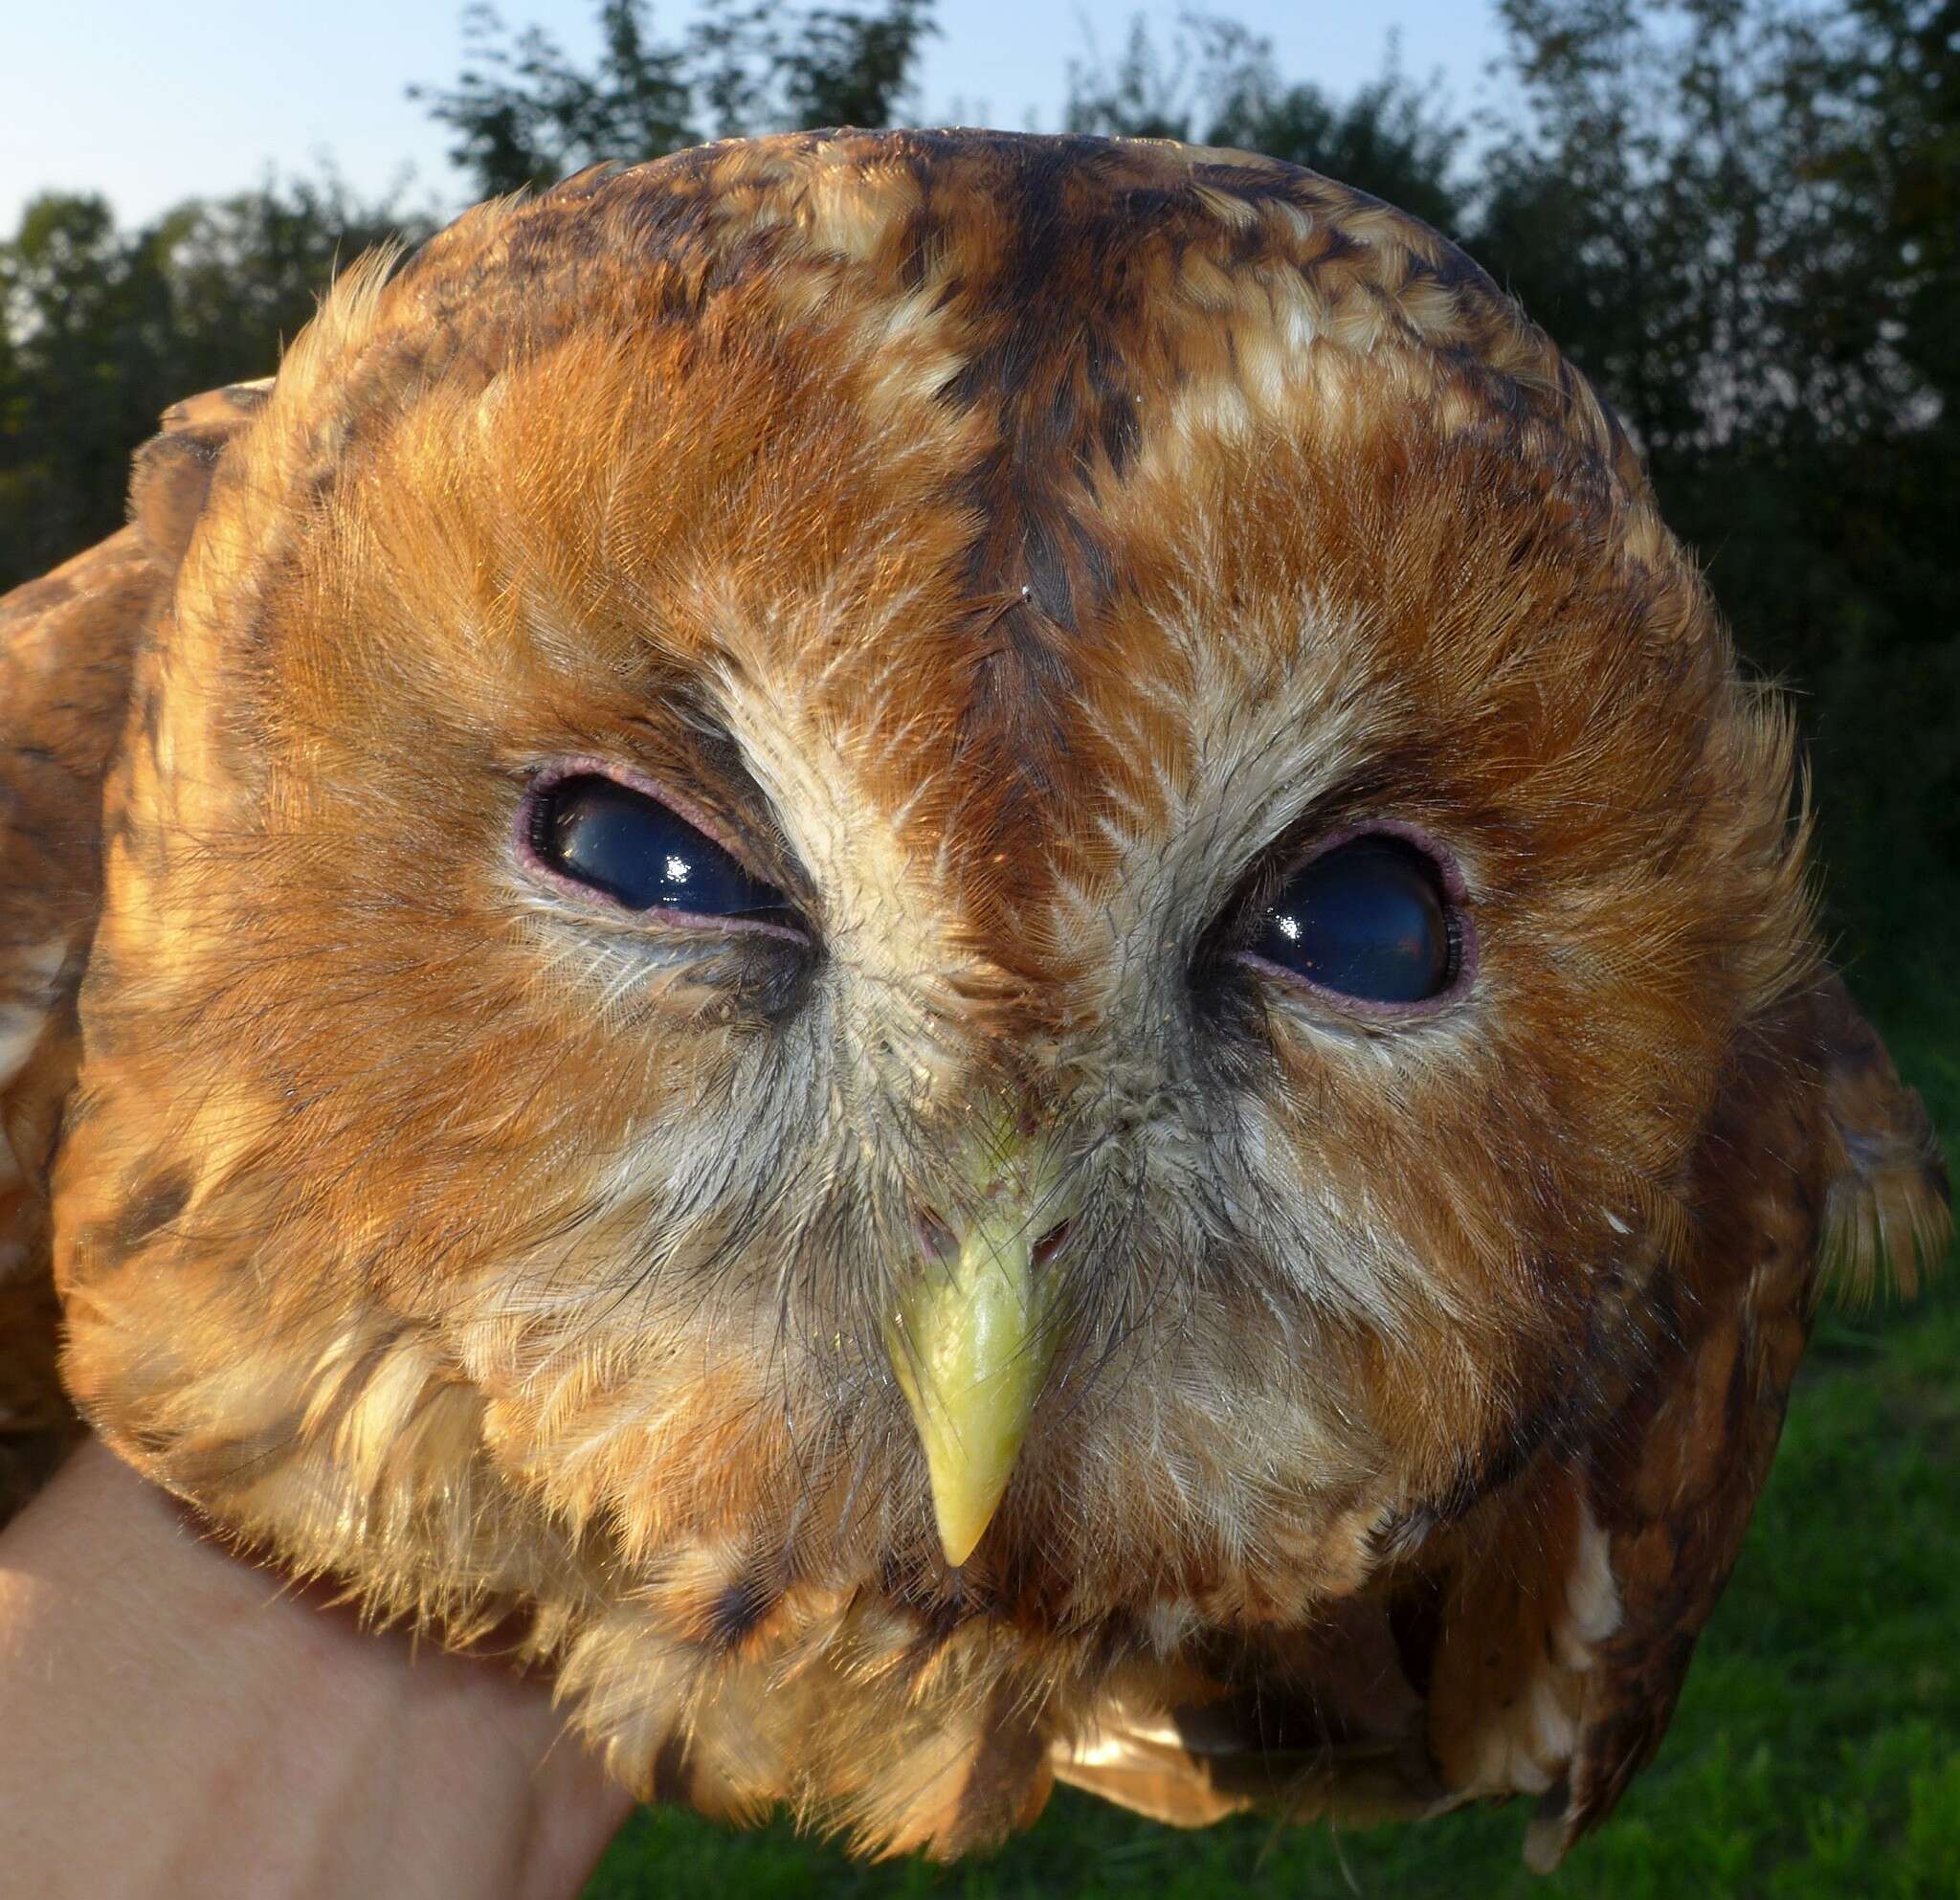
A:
{"x": 1369, "y": 919}
{"x": 612, "y": 838}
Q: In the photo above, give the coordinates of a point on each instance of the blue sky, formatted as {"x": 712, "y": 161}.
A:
{"x": 148, "y": 103}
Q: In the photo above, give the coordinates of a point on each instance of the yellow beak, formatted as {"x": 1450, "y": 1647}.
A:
{"x": 967, "y": 1347}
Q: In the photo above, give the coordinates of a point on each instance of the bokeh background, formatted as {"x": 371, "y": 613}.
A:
{"x": 1741, "y": 217}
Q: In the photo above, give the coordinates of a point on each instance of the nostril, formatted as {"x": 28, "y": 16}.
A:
{"x": 936, "y": 1238}
{"x": 1050, "y": 1244}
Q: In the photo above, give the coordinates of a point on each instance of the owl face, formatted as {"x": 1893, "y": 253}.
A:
{"x": 918, "y": 869}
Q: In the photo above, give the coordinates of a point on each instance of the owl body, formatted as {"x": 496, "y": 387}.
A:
{"x": 973, "y": 1310}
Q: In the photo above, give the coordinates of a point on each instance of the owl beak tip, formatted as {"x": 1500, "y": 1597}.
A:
{"x": 967, "y": 1490}
{"x": 960, "y": 1530}
{"x": 967, "y": 1350}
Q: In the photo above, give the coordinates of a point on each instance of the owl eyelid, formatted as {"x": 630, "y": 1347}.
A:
{"x": 698, "y": 924}
{"x": 1364, "y": 1009}
{"x": 1449, "y": 873}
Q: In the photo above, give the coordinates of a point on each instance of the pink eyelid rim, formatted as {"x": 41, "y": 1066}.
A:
{"x": 1455, "y": 894}
{"x": 692, "y": 922}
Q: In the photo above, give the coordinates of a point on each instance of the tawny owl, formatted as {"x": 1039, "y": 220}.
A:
{"x": 970, "y": 948}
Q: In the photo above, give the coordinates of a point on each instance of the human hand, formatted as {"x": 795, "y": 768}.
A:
{"x": 177, "y": 1722}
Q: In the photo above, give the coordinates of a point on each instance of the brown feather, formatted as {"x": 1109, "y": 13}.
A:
{"x": 1020, "y": 550}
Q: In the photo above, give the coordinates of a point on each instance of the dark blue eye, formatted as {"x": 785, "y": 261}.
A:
{"x": 1368, "y": 919}
{"x": 633, "y": 848}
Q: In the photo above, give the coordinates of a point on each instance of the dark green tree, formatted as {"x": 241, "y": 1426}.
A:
{"x": 1740, "y": 217}
{"x": 86, "y": 318}
{"x": 101, "y": 329}
{"x": 524, "y": 113}
{"x": 1218, "y": 84}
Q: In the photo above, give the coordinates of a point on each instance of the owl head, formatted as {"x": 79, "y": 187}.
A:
{"x": 931, "y": 928}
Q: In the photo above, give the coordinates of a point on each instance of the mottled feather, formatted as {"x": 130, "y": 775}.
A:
{"x": 1020, "y": 552}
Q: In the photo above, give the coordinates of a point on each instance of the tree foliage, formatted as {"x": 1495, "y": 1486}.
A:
{"x": 1218, "y": 84}
{"x": 1740, "y": 217}
{"x": 101, "y": 328}
{"x": 524, "y": 113}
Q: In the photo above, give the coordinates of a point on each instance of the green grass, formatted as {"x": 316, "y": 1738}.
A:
{"x": 1815, "y": 1754}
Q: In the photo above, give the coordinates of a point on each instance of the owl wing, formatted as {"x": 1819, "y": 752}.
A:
{"x": 1821, "y": 1164}
{"x": 1539, "y": 1644}
{"x": 66, "y": 647}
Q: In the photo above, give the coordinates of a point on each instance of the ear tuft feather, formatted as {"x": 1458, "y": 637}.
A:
{"x": 172, "y": 473}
